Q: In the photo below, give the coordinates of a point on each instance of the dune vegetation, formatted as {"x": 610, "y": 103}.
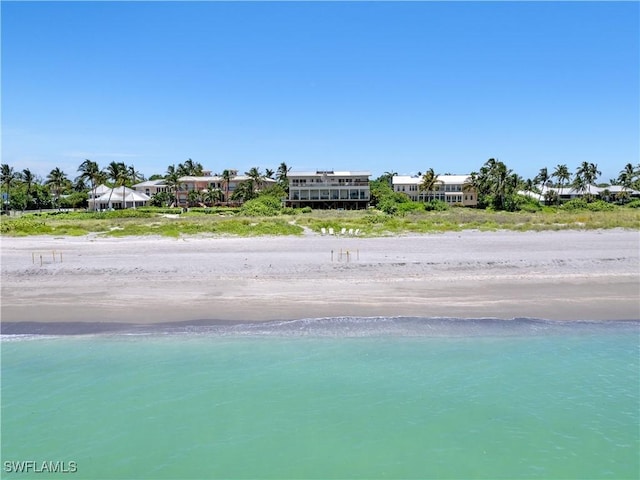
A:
{"x": 255, "y": 220}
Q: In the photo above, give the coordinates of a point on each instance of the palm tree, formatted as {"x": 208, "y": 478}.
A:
{"x": 227, "y": 175}
{"x": 255, "y": 181}
{"x": 28, "y": 179}
{"x": 562, "y": 174}
{"x": 7, "y": 177}
{"x": 172, "y": 179}
{"x": 268, "y": 173}
{"x": 193, "y": 198}
{"x": 429, "y": 182}
{"x": 57, "y": 180}
{"x": 190, "y": 169}
{"x": 89, "y": 170}
{"x": 543, "y": 177}
{"x": 213, "y": 195}
{"x": 282, "y": 176}
{"x": 586, "y": 175}
{"x": 117, "y": 173}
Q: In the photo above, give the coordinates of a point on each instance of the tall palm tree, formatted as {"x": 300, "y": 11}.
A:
{"x": 27, "y": 179}
{"x": 117, "y": 173}
{"x": 627, "y": 176}
{"x": 57, "y": 180}
{"x": 282, "y": 176}
{"x": 562, "y": 174}
{"x": 89, "y": 170}
{"x": 429, "y": 182}
{"x": 172, "y": 179}
{"x": 255, "y": 181}
{"x": 543, "y": 177}
{"x": 227, "y": 175}
{"x": 190, "y": 169}
{"x": 7, "y": 177}
{"x": 586, "y": 175}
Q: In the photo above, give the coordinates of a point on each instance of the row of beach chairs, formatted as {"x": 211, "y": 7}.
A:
{"x": 344, "y": 231}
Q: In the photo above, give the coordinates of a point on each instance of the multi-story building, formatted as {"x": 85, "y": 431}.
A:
{"x": 329, "y": 189}
{"x": 452, "y": 189}
{"x": 203, "y": 184}
{"x": 151, "y": 187}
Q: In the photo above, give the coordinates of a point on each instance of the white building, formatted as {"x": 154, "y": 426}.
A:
{"x": 151, "y": 187}
{"x": 452, "y": 189}
{"x": 329, "y": 189}
{"x": 117, "y": 198}
{"x": 569, "y": 193}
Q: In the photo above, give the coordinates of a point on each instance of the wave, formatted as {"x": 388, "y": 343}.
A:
{"x": 335, "y": 327}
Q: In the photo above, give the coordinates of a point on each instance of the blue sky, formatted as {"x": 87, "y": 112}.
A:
{"x": 378, "y": 86}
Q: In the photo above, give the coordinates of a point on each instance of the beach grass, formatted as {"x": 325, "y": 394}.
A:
{"x": 368, "y": 222}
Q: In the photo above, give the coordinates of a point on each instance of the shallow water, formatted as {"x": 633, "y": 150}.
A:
{"x": 329, "y": 398}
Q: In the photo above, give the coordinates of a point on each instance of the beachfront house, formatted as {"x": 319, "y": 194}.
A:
{"x": 151, "y": 187}
{"x": 326, "y": 189}
{"x": 117, "y": 198}
{"x": 451, "y": 189}
{"x": 203, "y": 184}
{"x": 553, "y": 194}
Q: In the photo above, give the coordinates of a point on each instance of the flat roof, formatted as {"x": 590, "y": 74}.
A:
{"x": 330, "y": 173}
{"x": 445, "y": 179}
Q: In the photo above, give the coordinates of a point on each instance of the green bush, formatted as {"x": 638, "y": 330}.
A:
{"x": 407, "y": 207}
{"x": 633, "y": 204}
{"x": 575, "y": 204}
{"x": 600, "y": 206}
{"x": 436, "y": 206}
{"x": 27, "y": 225}
{"x": 263, "y": 206}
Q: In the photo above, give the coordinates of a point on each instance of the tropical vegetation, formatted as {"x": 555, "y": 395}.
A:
{"x": 504, "y": 202}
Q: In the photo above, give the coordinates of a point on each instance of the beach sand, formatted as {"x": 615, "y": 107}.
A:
{"x": 97, "y": 284}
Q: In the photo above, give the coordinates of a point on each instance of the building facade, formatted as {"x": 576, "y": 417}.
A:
{"x": 451, "y": 189}
{"x": 151, "y": 187}
{"x": 329, "y": 189}
{"x": 204, "y": 184}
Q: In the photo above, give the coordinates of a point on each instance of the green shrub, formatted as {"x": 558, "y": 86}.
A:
{"x": 407, "y": 207}
{"x": 633, "y": 204}
{"x": 600, "y": 206}
{"x": 575, "y": 204}
{"x": 436, "y": 206}
{"x": 27, "y": 225}
{"x": 263, "y": 206}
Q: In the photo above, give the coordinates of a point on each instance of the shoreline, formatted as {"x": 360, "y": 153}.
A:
{"x": 106, "y": 282}
{"x": 313, "y": 326}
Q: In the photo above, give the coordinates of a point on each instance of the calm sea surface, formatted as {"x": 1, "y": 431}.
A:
{"x": 331, "y": 398}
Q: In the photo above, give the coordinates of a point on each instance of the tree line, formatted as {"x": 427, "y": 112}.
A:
{"x": 496, "y": 185}
{"x": 23, "y": 190}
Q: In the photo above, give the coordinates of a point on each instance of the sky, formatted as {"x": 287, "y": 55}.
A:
{"x": 376, "y": 86}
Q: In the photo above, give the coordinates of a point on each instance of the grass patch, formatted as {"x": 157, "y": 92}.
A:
{"x": 369, "y": 222}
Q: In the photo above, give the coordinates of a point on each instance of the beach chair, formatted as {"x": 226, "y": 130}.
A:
{"x": 331, "y": 232}
{"x": 357, "y": 232}
{"x": 343, "y": 231}
{"x": 351, "y": 231}
{"x": 323, "y": 230}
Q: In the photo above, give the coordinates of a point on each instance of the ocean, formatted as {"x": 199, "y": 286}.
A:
{"x": 340, "y": 398}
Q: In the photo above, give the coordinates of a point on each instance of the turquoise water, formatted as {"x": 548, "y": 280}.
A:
{"x": 333, "y": 399}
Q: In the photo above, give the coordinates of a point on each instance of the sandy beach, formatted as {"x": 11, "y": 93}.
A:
{"x": 93, "y": 283}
